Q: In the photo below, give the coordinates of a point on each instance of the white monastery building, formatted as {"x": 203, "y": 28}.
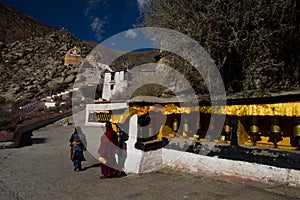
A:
{"x": 114, "y": 82}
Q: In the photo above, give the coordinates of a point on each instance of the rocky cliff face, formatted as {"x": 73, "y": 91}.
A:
{"x": 34, "y": 67}
{"x": 32, "y": 57}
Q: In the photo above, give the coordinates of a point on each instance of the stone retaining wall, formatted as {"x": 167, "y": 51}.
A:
{"x": 29, "y": 126}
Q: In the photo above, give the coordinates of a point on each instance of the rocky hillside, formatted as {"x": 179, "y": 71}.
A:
{"x": 34, "y": 67}
{"x": 15, "y": 25}
{"x": 32, "y": 57}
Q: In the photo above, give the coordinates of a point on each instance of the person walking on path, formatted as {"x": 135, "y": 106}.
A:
{"x": 78, "y": 144}
{"x": 107, "y": 151}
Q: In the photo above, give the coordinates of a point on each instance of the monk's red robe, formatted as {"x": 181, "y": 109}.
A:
{"x": 107, "y": 150}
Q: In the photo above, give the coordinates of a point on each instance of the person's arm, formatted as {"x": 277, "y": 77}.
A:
{"x": 84, "y": 142}
{"x": 71, "y": 139}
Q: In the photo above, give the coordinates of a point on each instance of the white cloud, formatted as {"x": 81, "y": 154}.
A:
{"x": 93, "y": 4}
{"x": 141, "y": 4}
{"x": 130, "y": 34}
{"x": 97, "y": 26}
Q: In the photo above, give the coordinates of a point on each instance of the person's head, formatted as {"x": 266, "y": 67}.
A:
{"x": 78, "y": 130}
{"x": 108, "y": 125}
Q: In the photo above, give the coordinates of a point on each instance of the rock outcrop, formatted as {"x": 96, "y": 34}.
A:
{"x": 33, "y": 68}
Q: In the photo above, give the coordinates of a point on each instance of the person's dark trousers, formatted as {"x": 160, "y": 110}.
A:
{"x": 77, "y": 165}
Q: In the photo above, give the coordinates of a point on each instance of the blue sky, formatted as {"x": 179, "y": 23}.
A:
{"x": 92, "y": 20}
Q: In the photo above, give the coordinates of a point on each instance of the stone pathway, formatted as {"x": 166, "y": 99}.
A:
{"x": 44, "y": 171}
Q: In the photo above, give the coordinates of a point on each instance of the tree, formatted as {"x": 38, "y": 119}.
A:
{"x": 254, "y": 43}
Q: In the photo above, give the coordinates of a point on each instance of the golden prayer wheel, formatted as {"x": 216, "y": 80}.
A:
{"x": 226, "y": 132}
{"x": 275, "y": 131}
{"x": 185, "y": 127}
{"x": 296, "y": 127}
{"x": 227, "y": 129}
{"x": 175, "y": 125}
{"x": 254, "y": 125}
{"x": 275, "y": 128}
{"x": 296, "y": 131}
{"x": 254, "y": 129}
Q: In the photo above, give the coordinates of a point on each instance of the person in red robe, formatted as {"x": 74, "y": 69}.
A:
{"x": 107, "y": 152}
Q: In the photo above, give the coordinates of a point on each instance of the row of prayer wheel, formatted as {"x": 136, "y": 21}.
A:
{"x": 274, "y": 131}
{"x": 99, "y": 117}
{"x": 274, "y": 128}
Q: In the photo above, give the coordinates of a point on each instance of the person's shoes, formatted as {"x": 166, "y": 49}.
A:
{"x": 112, "y": 176}
{"x": 103, "y": 177}
{"x": 121, "y": 174}
{"x": 75, "y": 169}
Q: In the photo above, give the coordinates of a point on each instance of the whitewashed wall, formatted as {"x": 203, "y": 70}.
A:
{"x": 119, "y": 85}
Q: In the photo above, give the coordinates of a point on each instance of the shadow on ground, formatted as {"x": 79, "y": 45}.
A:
{"x": 39, "y": 140}
{"x": 91, "y": 166}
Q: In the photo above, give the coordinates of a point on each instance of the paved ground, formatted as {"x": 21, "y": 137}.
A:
{"x": 44, "y": 171}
